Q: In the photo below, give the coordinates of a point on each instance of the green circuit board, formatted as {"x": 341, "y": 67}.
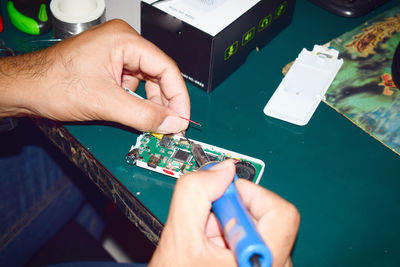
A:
{"x": 171, "y": 155}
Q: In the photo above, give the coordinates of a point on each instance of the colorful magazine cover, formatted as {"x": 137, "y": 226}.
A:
{"x": 363, "y": 90}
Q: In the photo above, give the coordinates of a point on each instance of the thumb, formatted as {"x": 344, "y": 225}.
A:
{"x": 144, "y": 115}
{"x": 193, "y": 197}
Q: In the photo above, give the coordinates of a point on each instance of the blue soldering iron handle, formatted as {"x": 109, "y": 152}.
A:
{"x": 239, "y": 230}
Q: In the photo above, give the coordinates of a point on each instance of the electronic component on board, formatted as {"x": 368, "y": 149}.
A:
{"x": 245, "y": 170}
{"x": 153, "y": 161}
{"x": 179, "y": 156}
{"x": 184, "y": 142}
{"x": 212, "y": 157}
{"x": 183, "y": 167}
{"x": 157, "y": 135}
{"x": 132, "y": 156}
{"x": 199, "y": 155}
{"x": 165, "y": 140}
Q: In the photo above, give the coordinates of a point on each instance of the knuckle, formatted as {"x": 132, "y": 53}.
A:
{"x": 292, "y": 214}
{"x": 120, "y": 27}
{"x": 117, "y": 23}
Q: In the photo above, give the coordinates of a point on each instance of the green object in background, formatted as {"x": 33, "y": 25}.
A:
{"x": 29, "y": 17}
{"x": 21, "y": 22}
{"x": 43, "y": 13}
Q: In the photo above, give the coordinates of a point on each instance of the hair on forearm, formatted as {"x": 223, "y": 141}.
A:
{"x": 28, "y": 66}
{"x": 18, "y": 75}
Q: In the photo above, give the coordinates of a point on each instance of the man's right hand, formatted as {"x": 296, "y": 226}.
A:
{"x": 192, "y": 236}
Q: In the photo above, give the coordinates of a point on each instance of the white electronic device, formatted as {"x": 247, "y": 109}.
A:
{"x": 172, "y": 155}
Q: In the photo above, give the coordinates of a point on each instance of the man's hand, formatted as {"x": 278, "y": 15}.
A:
{"x": 192, "y": 237}
{"x": 82, "y": 78}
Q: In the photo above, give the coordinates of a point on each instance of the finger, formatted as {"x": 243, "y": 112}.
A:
{"x": 130, "y": 82}
{"x": 214, "y": 232}
{"x": 213, "y": 229}
{"x": 277, "y": 220}
{"x": 154, "y": 93}
{"x": 218, "y": 241}
{"x": 141, "y": 114}
{"x": 251, "y": 195}
{"x": 158, "y": 68}
{"x": 193, "y": 195}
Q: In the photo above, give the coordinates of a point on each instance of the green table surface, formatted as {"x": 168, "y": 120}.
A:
{"x": 345, "y": 184}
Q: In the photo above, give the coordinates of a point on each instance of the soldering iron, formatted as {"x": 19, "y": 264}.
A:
{"x": 239, "y": 230}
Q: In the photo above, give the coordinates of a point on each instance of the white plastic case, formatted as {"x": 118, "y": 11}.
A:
{"x": 304, "y": 86}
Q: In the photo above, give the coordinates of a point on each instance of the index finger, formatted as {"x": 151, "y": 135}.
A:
{"x": 257, "y": 199}
{"x": 277, "y": 220}
{"x": 161, "y": 72}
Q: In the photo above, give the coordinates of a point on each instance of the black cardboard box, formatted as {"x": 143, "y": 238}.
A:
{"x": 210, "y": 39}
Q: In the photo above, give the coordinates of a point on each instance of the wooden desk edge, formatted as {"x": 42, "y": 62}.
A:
{"x": 136, "y": 212}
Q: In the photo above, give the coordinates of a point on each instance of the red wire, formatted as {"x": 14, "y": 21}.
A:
{"x": 190, "y": 120}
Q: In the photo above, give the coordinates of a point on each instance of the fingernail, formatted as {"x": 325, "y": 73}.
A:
{"x": 171, "y": 124}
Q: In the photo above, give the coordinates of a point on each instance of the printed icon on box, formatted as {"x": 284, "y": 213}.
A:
{"x": 232, "y": 49}
{"x": 248, "y": 36}
{"x": 264, "y": 23}
{"x": 280, "y": 10}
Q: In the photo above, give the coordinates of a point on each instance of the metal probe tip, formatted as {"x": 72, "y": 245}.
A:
{"x": 184, "y": 135}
